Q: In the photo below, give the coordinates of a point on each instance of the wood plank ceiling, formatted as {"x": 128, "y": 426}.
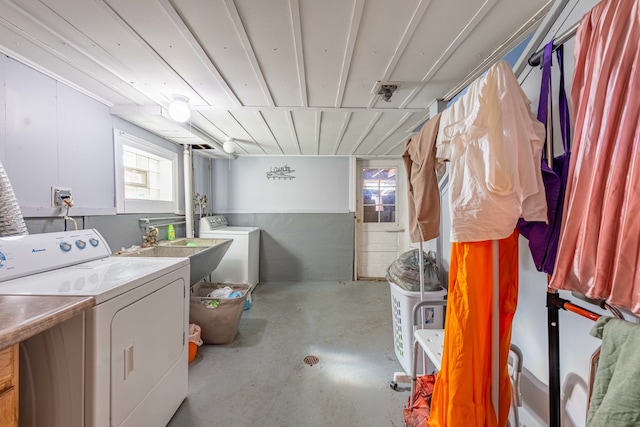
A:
{"x": 280, "y": 77}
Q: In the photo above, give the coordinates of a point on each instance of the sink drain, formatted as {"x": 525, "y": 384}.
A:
{"x": 311, "y": 360}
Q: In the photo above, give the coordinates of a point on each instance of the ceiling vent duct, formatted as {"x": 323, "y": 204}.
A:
{"x": 384, "y": 90}
{"x": 210, "y": 151}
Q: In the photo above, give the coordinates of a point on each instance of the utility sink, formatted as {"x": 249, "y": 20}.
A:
{"x": 193, "y": 242}
{"x": 204, "y": 254}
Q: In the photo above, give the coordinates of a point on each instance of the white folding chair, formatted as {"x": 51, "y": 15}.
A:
{"x": 431, "y": 342}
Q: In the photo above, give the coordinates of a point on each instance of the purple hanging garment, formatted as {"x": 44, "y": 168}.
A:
{"x": 543, "y": 238}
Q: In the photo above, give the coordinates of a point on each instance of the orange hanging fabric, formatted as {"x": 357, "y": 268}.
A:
{"x": 462, "y": 393}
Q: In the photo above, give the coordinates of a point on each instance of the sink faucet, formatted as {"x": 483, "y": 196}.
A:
{"x": 150, "y": 237}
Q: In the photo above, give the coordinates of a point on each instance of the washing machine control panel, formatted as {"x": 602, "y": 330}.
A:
{"x": 209, "y": 223}
{"x": 35, "y": 253}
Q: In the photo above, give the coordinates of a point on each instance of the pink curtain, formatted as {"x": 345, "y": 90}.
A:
{"x": 599, "y": 250}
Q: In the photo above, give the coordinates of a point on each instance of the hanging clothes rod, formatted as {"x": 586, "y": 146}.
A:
{"x": 554, "y": 304}
{"x": 564, "y": 304}
{"x": 536, "y": 58}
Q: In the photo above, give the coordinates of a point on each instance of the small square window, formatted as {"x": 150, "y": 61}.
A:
{"x": 146, "y": 176}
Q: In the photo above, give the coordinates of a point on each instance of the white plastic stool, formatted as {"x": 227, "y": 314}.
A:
{"x": 431, "y": 341}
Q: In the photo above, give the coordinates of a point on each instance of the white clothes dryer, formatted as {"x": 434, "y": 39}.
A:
{"x": 241, "y": 263}
{"x": 122, "y": 362}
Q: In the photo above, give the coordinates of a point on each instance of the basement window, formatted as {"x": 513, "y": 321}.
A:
{"x": 146, "y": 176}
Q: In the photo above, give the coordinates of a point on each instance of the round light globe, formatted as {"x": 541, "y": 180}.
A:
{"x": 179, "y": 109}
{"x": 229, "y": 146}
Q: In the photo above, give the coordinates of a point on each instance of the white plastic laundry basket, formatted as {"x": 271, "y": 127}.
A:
{"x": 402, "y": 303}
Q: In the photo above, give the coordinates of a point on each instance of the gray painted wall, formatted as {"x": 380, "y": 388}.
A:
{"x": 297, "y": 247}
{"x": 307, "y": 232}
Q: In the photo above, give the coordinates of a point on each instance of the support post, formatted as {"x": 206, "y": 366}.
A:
{"x": 554, "y": 358}
{"x": 495, "y": 330}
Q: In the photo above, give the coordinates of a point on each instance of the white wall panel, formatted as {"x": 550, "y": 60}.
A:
{"x": 31, "y": 135}
{"x": 85, "y": 154}
{"x": 321, "y": 184}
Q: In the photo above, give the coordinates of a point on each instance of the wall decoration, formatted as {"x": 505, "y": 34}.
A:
{"x": 320, "y": 185}
{"x": 283, "y": 172}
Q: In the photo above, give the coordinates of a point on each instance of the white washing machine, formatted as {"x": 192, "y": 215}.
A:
{"x": 121, "y": 363}
{"x": 241, "y": 263}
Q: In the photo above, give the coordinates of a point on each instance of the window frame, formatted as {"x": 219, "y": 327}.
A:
{"x": 396, "y": 221}
{"x": 126, "y": 206}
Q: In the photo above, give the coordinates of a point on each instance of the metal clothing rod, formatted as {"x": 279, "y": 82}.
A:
{"x": 554, "y": 303}
{"x": 536, "y": 59}
{"x": 163, "y": 218}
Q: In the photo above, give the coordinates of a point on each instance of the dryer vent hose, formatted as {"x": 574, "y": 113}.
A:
{"x": 11, "y": 221}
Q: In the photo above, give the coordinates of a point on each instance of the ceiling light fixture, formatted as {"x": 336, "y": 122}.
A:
{"x": 229, "y": 146}
{"x": 385, "y": 91}
{"x": 179, "y": 108}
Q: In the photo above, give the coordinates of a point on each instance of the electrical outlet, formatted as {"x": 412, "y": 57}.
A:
{"x": 58, "y": 195}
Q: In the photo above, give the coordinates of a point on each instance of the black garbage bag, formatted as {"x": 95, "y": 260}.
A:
{"x": 405, "y": 271}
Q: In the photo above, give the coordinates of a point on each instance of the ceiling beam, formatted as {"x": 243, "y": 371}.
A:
{"x": 195, "y": 44}
{"x": 124, "y": 76}
{"x": 317, "y": 131}
{"x": 298, "y": 108}
{"x": 143, "y": 43}
{"x": 343, "y": 129}
{"x": 356, "y": 17}
{"x": 444, "y": 57}
{"x": 294, "y": 7}
{"x": 294, "y": 134}
{"x": 248, "y": 48}
{"x": 365, "y": 133}
{"x": 390, "y": 132}
{"x": 409, "y": 31}
{"x": 269, "y": 131}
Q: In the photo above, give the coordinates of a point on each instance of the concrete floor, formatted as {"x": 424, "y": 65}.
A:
{"x": 261, "y": 379}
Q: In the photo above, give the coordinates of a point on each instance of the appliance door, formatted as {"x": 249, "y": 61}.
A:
{"x": 147, "y": 342}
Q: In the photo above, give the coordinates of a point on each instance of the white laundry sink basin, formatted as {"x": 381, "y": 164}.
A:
{"x": 204, "y": 254}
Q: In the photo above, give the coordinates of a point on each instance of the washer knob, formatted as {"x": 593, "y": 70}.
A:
{"x": 94, "y": 242}
{"x": 81, "y": 244}
{"x": 66, "y": 247}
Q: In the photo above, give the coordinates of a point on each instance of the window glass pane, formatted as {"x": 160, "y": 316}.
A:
{"x": 135, "y": 177}
{"x": 142, "y": 162}
{"x": 132, "y": 192}
{"x": 154, "y": 180}
{"x": 129, "y": 159}
{"x": 151, "y": 172}
{"x": 388, "y": 214}
{"x": 388, "y": 196}
{"x": 154, "y": 165}
{"x": 370, "y": 214}
{"x": 370, "y": 196}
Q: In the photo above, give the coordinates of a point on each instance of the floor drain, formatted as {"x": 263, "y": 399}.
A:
{"x": 311, "y": 360}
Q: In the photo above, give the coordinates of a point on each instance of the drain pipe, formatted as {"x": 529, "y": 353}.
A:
{"x": 11, "y": 221}
{"x": 188, "y": 189}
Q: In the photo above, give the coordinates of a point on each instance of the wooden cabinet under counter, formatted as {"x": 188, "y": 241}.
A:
{"x": 9, "y": 386}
